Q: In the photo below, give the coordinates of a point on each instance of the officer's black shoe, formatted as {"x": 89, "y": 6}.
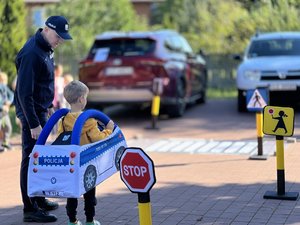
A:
{"x": 39, "y": 216}
{"x": 48, "y": 205}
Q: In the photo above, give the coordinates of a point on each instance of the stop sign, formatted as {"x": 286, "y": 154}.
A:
{"x": 137, "y": 170}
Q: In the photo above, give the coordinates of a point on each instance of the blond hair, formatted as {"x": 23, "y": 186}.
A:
{"x": 58, "y": 70}
{"x": 3, "y": 78}
{"x": 68, "y": 78}
{"x": 74, "y": 90}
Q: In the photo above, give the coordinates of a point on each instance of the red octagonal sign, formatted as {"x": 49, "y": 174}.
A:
{"x": 137, "y": 170}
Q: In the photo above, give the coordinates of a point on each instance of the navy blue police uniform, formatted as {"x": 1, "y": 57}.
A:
{"x": 33, "y": 96}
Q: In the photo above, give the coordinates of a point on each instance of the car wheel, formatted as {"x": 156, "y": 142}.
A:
{"x": 202, "y": 99}
{"x": 178, "y": 109}
{"x": 241, "y": 101}
{"x": 118, "y": 157}
{"x": 90, "y": 177}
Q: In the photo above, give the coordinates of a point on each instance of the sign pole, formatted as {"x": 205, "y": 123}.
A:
{"x": 260, "y": 135}
{"x": 137, "y": 172}
{"x": 281, "y": 194}
{"x": 279, "y": 121}
{"x": 256, "y": 100}
{"x": 280, "y": 165}
{"x": 144, "y": 208}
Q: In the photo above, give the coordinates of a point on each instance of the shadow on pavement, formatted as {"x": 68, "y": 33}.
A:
{"x": 182, "y": 203}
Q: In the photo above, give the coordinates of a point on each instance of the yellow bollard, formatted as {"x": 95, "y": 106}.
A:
{"x": 155, "y": 111}
{"x": 155, "y": 105}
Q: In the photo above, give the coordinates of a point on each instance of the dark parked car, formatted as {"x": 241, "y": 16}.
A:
{"x": 121, "y": 67}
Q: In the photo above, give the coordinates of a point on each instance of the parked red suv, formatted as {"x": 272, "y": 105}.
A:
{"x": 121, "y": 67}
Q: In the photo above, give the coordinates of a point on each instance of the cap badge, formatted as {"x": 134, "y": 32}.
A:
{"x": 51, "y": 25}
{"x": 66, "y": 26}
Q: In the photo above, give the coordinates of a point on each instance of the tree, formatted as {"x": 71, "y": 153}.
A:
{"x": 88, "y": 18}
{"x": 226, "y": 26}
{"x": 276, "y": 16}
{"x": 12, "y": 33}
{"x": 208, "y": 24}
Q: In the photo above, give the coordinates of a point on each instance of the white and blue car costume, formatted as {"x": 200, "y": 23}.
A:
{"x": 67, "y": 170}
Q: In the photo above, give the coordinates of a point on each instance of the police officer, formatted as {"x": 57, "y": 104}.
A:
{"x": 33, "y": 101}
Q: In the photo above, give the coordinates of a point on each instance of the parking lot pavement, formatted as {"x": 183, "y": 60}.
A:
{"x": 191, "y": 189}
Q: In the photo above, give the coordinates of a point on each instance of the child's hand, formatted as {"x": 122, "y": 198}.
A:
{"x": 5, "y": 108}
{"x": 110, "y": 125}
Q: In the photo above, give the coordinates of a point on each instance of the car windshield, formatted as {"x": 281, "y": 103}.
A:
{"x": 274, "y": 47}
{"x": 124, "y": 47}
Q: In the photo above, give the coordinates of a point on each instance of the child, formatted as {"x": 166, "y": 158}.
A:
{"x": 58, "y": 86}
{"x": 67, "y": 79}
{"x": 6, "y": 98}
{"x": 76, "y": 95}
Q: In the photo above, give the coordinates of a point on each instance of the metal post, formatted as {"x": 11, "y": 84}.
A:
{"x": 155, "y": 107}
{"x": 260, "y": 135}
{"x": 280, "y": 194}
{"x": 144, "y": 208}
{"x": 280, "y": 165}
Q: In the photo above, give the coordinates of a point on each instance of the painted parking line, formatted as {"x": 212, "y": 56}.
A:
{"x": 198, "y": 146}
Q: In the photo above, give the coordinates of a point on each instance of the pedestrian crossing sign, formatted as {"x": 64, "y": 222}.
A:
{"x": 278, "y": 121}
{"x": 257, "y": 99}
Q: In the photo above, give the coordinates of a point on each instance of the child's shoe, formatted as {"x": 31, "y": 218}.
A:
{"x": 95, "y": 222}
{"x": 6, "y": 145}
{"x": 76, "y": 223}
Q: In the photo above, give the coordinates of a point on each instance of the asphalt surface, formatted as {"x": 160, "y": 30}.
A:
{"x": 192, "y": 187}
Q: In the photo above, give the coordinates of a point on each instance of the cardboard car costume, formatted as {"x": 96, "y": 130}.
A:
{"x": 68, "y": 171}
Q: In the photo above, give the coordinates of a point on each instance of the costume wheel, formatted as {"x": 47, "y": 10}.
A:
{"x": 90, "y": 177}
{"x": 118, "y": 157}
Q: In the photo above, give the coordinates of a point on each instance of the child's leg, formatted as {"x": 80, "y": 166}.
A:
{"x": 7, "y": 128}
{"x": 71, "y": 209}
{"x": 90, "y": 202}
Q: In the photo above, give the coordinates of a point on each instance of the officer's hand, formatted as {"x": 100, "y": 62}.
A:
{"x": 35, "y": 132}
{"x": 50, "y": 111}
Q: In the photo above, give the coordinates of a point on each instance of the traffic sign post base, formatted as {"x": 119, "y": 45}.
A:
{"x": 258, "y": 157}
{"x": 286, "y": 196}
{"x": 153, "y": 124}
